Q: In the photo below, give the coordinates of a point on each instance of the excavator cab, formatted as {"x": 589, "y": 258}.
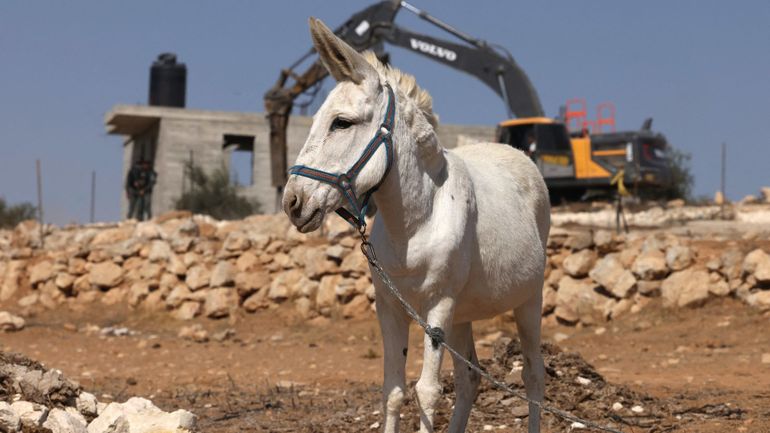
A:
{"x": 544, "y": 140}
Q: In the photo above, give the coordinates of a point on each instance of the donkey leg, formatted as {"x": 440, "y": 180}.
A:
{"x": 466, "y": 380}
{"x": 428, "y": 387}
{"x": 394, "y": 326}
{"x": 528, "y": 318}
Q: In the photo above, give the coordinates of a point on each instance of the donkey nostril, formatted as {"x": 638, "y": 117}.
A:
{"x": 295, "y": 206}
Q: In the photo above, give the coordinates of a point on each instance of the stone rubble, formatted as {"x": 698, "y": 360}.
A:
{"x": 194, "y": 266}
{"x": 35, "y": 399}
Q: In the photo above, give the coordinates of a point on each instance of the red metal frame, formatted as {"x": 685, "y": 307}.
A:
{"x": 575, "y": 119}
{"x": 601, "y": 120}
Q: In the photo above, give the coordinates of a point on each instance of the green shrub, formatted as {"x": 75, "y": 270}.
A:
{"x": 10, "y": 216}
{"x": 212, "y": 194}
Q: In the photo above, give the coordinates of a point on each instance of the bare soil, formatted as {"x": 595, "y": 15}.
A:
{"x": 690, "y": 370}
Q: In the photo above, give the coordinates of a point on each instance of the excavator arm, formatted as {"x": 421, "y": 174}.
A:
{"x": 370, "y": 29}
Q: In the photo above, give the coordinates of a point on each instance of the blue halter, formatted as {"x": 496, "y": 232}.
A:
{"x": 344, "y": 181}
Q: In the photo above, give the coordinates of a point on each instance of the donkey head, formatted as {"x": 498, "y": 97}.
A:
{"x": 341, "y": 130}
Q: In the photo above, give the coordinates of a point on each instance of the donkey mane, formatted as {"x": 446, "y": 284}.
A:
{"x": 408, "y": 86}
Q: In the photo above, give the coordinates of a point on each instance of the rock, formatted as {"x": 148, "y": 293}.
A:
{"x": 345, "y": 290}
{"x": 246, "y": 261}
{"x": 304, "y": 307}
{"x": 137, "y": 293}
{"x": 687, "y": 288}
{"x": 611, "y": 275}
{"x": 579, "y": 240}
{"x": 187, "y": 229}
{"x": 576, "y": 300}
{"x": 173, "y": 215}
{"x": 731, "y": 263}
{"x": 326, "y": 297}
{"x": 30, "y": 414}
{"x": 749, "y": 199}
{"x": 138, "y": 415}
{"x": 10, "y": 322}
{"x": 679, "y": 257}
{"x": 220, "y": 302}
{"x": 9, "y": 419}
{"x": 41, "y": 272}
{"x": 622, "y": 307}
{"x": 357, "y": 307}
{"x": 105, "y": 274}
{"x": 759, "y": 300}
{"x": 197, "y": 277}
{"x": 237, "y": 241}
{"x": 337, "y": 252}
{"x": 317, "y": 264}
{"x": 604, "y": 240}
{"x": 194, "y": 332}
{"x": 64, "y": 281}
{"x": 222, "y": 275}
{"x": 718, "y": 286}
{"x": 765, "y": 193}
{"x": 355, "y": 265}
{"x": 650, "y": 265}
{"x": 256, "y": 301}
{"x": 249, "y": 282}
{"x": 112, "y": 235}
{"x": 160, "y": 251}
{"x": 150, "y": 271}
{"x": 285, "y": 285}
{"x": 63, "y": 421}
{"x": 649, "y": 288}
{"x": 187, "y": 310}
{"x": 86, "y": 405}
{"x": 675, "y": 203}
{"x": 9, "y": 285}
{"x": 757, "y": 264}
{"x": 579, "y": 263}
{"x": 148, "y": 230}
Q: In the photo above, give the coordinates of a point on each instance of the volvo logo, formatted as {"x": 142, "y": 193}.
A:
{"x": 433, "y": 50}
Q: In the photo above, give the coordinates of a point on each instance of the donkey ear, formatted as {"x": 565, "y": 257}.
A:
{"x": 341, "y": 60}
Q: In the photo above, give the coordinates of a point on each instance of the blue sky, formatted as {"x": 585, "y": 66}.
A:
{"x": 700, "y": 68}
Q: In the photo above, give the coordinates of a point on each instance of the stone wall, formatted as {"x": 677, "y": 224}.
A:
{"x": 190, "y": 266}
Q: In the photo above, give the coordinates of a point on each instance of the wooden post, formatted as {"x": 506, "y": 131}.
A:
{"x": 39, "y": 199}
{"x": 93, "y": 196}
{"x": 723, "y": 178}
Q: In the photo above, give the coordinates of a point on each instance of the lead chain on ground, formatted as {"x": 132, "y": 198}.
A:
{"x": 368, "y": 252}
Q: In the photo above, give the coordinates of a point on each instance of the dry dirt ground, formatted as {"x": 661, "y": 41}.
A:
{"x": 691, "y": 370}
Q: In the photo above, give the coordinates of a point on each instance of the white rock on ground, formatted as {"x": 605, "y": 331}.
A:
{"x": 10, "y": 322}
{"x": 86, "y": 404}
{"x": 63, "y": 421}
{"x": 30, "y": 414}
{"x": 139, "y": 415}
{"x": 9, "y": 420}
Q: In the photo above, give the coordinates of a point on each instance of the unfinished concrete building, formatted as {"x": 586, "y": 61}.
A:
{"x": 169, "y": 137}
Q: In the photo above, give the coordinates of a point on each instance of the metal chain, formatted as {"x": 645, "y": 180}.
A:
{"x": 436, "y": 335}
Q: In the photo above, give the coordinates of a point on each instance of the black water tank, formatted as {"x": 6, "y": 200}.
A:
{"x": 168, "y": 81}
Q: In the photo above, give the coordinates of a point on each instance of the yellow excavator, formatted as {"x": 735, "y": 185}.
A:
{"x": 576, "y": 162}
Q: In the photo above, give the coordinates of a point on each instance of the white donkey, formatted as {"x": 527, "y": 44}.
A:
{"x": 461, "y": 232}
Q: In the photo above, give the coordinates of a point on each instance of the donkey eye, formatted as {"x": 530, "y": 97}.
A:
{"x": 340, "y": 123}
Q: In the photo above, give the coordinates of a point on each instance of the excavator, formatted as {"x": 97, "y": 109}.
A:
{"x": 578, "y": 162}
